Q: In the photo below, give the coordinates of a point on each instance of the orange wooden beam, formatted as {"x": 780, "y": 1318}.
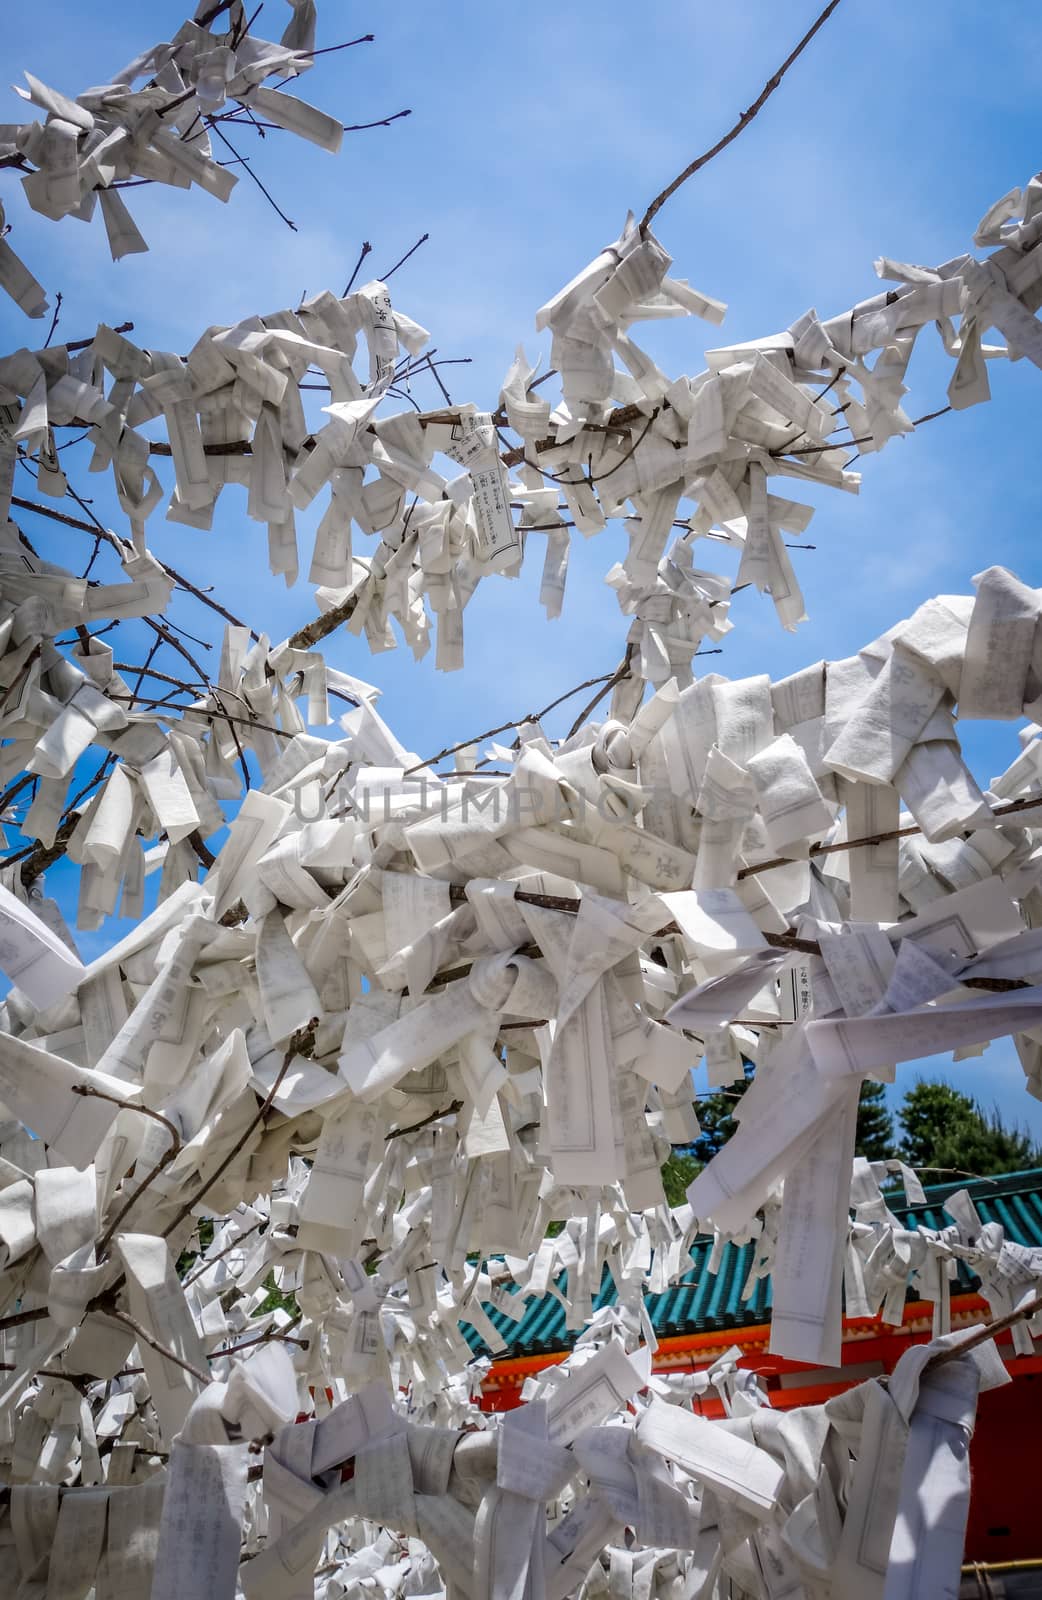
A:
{"x": 865, "y": 1340}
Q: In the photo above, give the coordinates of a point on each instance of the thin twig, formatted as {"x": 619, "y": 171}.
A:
{"x": 957, "y": 1172}
{"x": 70, "y": 522}
{"x": 575, "y": 483}
{"x": 88, "y": 1091}
{"x": 267, "y": 1337}
{"x": 54, "y": 319}
{"x": 365, "y": 250}
{"x": 50, "y": 1372}
{"x": 743, "y": 122}
{"x": 206, "y": 1262}
{"x": 232, "y": 729}
{"x": 433, "y": 368}
{"x": 245, "y": 163}
{"x": 302, "y": 1037}
{"x": 414, "y": 1127}
{"x": 207, "y": 713}
{"x": 1008, "y": 809}
{"x": 845, "y": 444}
{"x": 142, "y": 1334}
{"x": 571, "y": 905}
{"x": 383, "y": 122}
{"x": 118, "y": 545}
{"x": 621, "y": 671}
{"x": 607, "y": 678}
{"x": 201, "y": 848}
{"x": 18, "y": 1319}
{"x": 173, "y": 1149}
{"x": 331, "y": 49}
{"x": 164, "y": 677}
{"x": 421, "y": 240}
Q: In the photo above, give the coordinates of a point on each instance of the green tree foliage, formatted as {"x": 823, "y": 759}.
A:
{"x": 716, "y": 1118}
{"x": 875, "y": 1126}
{"x": 946, "y": 1129}
{"x": 940, "y": 1128}
{"x": 677, "y": 1174}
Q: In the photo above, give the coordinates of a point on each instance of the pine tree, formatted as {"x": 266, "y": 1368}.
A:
{"x": 945, "y": 1129}
{"x": 716, "y": 1117}
{"x": 677, "y": 1173}
{"x": 875, "y": 1126}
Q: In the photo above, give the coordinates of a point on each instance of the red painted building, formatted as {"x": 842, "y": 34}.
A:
{"x": 703, "y": 1316}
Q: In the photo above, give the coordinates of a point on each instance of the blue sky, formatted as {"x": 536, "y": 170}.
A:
{"x": 531, "y": 134}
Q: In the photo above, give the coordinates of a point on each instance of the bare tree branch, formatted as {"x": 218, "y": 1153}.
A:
{"x": 365, "y": 250}
{"x": 607, "y": 678}
{"x": 143, "y": 1336}
{"x": 205, "y": 1263}
{"x": 743, "y": 121}
{"x": 303, "y": 1039}
{"x": 421, "y": 240}
{"x": 435, "y": 1116}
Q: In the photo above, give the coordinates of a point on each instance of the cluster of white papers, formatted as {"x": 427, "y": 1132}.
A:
{"x": 470, "y": 1006}
{"x": 261, "y": 1158}
{"x": 87, "y": 149}
{"x": 680, "y": 459}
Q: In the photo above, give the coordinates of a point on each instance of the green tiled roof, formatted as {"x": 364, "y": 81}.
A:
{"x": 705, "y": 1302}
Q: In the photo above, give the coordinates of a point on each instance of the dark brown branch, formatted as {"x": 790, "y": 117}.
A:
{"x": 607, "y": 678}
{"x": 234, "y": 447}
{"x": 209, "y": 714}
{"x": 42, "y": 856}
{"x": 70, "y": 522}
{"x": 77, "y": 1382}
{"x": 38, "y": 857}
{"x": 143, "y": 1336}
{"x": 15, "y": 789}
{"x": 201, "y": 848}
{"x": 571, "y": 906}
{"x": 54, "y": 320}
{"x": 168, "y": 1155}
{"x": 349, "y": 44}
{"x": 244, "y": 162}
{"x": 365, "y": 250}
{"x": 18, "y": 1319}
{"x": 1008, "y": 809}
{"x": 621, "y": 671}
{"x": 84, "y": 344}
{"x": 267, "y": 1337}
{"x": 421, "y": 240}
{"x": 435, "y": 1116}
{"x": 300, "y": 1040}
{"x": 742, "y": 123}
{"x": 205, "y": 1263}
{"x": 163, "y": 677}
{"x": 847, "y": 444}
{"x": 383, "y": 122}
{"x": 575, "y": 483}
